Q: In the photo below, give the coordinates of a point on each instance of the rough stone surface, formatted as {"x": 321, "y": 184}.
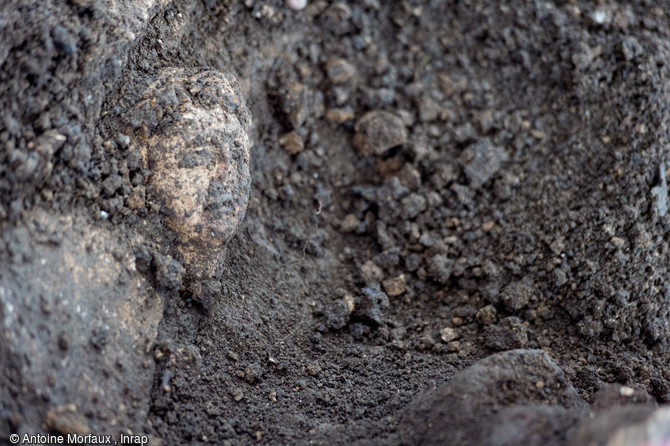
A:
{"x": 72, "y": 289}
{"x": 446, "y": 413}
{"x": 378, "y": 131}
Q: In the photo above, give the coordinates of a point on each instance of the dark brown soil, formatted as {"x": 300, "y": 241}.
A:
{"x": 432, "y": 182}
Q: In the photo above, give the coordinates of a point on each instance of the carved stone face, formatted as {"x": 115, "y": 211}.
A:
{"x": 199, "y": 158}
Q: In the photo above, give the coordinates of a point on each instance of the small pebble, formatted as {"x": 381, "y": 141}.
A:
{"x": 370, "y": 272}
{"x": 394, "y": 286}
{"x": 440, "y": 268}
{"x": 340, "y": 115}
{"x": 626, "y": 391}
{"x": 481, "y": 161}
{"x": 339, "y": 70}
{"x": 517, "y": 295}
{"x": 314, "y": 369}
{"x": 296, "y": 5}
{"x": 448, "y": 334}
{"x": 337, "y": 314}
{"x": 349, "y": 223}
{"x": 618, "y": 242}
{"x": 486, "y": 315}
{"x": 378, "y": 131}
{"x": 123, "y": 140}
{"x": 237, "y": 394}
{"x": 487, "y": 226}
{"x": 561, "y": 277}
{"x": 292, "y": 143}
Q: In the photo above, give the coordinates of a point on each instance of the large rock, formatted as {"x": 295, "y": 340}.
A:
{"x": 514, "y": 397}
{"x": 523, "y": 397}
{"x": 77, "y": 323}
